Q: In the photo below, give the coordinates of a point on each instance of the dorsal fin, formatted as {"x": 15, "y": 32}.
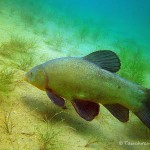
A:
{"x": 105, "y": 59}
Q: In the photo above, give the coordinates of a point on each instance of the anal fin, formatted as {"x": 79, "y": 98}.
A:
{"x": 118, "y": 111}
{"x": 56, "y": 99}
{"x": 86, "y": 109}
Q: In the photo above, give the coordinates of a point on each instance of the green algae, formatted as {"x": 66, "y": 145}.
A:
{"x": 15, "y": 45}
{"x": 133, "y": 63}
{"x": 6, "y": 80}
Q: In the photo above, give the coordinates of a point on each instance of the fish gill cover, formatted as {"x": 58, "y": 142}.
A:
{"x": 32, "y": 32}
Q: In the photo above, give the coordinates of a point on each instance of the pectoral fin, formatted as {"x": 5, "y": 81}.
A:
{"x": 118, "y": 111}
{"x": 56, "y": 99}
{"x": 86, "y": 109}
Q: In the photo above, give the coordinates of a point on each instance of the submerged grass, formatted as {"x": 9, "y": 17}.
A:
{"x": 6, "y": 80}
{"x": 91, "y": 142}
{"x": 20, "y": 51}
{"x": 56, "y": 41}
{"x": 15, "y": 45}
{"x": 28, "y": 18}
{"x": 49, "y": 139}
{"x": 24, "y": 62}
{"x": 49, "y": 136}
{"x": 133, "y": 66}
{"x": 8, "y": 123}
{"x": 82, "y": 33}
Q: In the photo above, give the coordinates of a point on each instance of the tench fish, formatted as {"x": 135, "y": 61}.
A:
{"x": 89, "y": 81}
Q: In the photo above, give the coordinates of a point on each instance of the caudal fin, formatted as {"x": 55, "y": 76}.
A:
{"x": 144, "y": 113}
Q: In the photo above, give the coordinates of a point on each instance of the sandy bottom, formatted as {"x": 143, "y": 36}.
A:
{"x": 35, "y": 123}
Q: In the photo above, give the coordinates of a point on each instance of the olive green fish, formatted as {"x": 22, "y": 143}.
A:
{"x": 91, "y": 80}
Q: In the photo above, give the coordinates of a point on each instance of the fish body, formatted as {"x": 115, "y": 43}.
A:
{"x": 75, "y": 78}
{"x": 89, "y": 81}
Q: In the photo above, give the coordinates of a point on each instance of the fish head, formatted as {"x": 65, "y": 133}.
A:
{"x": 37, "y": 77}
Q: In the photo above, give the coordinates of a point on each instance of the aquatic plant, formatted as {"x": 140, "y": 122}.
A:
{"x": 95, "y": 35}
{"x": 44, "y": 32}
{"x": 20, "y": 51}
{"x": 24, "y": 62}
{"x": 126, "y": 44}
{"x": 83, "y": 32}
{"x": 6, "y": 80}
{"x": 28, "y": 18}
{"x": 91, "y": 141}
{"x": 56, "y": 41}
{"x": 49, "y": 140}
{"x": 133, "y": 63}
{"x": 7, "y": 123}
{"x": 49, "y": 137}
{"x": 15, "y": 45}
{"x": 133, "y": 67}
{"x": 98, "y": 34}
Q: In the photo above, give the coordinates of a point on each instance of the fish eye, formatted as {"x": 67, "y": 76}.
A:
{"x": 31, "y": 73}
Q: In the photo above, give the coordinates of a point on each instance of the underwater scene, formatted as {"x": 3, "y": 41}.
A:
{"x": 74, "y": 75}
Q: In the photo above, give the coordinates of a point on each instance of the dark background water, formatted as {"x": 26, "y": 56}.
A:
{"x": 125, "y": 19}
{"x": 131, "y": 17}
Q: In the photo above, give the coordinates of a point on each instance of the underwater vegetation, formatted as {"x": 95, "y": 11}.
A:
{"x": 6, "y": 80}
{"x": 56, "y": 41}
{"x": 48, "y": 139}
{"x": 20, "y": 51}
{"x": 95, "y": 34}
{"x": 91, "y": 142}
{"x": 8, "y": 123}
{"x": 16, "y": 45}
{"x": 28, "y": 18}
{"x": 24, "y": 62}
{"x": 134, "y": 64}
{"x": 83, "y": 33}
{"x": 49, "y": 136}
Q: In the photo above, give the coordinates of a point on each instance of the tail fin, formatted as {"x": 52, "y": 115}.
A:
{"x": 144, "y": 113}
